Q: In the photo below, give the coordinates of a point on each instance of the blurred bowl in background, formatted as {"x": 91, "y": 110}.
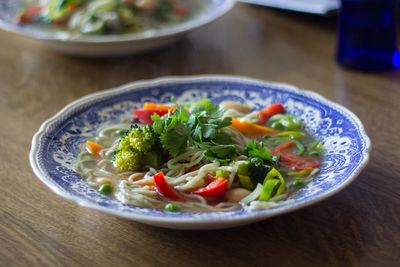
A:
{"x": 109, "y": 45}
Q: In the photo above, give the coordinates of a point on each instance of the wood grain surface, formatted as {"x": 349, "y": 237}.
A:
{"x": 360, "y": 226}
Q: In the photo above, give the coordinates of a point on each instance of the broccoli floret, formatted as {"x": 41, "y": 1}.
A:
{"x": 127, "y": 160}
{"x": 139, "y": 147}
{"x": 141, "y": 139}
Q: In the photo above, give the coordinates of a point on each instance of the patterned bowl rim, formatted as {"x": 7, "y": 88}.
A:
{"x": 248, "y": 216}
{"x": 216, "y": 8}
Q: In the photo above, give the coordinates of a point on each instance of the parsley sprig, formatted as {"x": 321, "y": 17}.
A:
{"x": 199, "y": 124}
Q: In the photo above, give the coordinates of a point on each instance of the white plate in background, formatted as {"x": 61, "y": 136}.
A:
{"x": 321, "y": 7}
{"x": 113, "y": 44}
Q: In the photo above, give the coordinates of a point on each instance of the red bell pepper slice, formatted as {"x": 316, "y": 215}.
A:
{"x": 297, "y": 162}
{"x": 269, "y": 111}
{"x": 181, "y": 11}
{"x": 284, "y": 146}
{"x": 164, "y": 188}
{"x": 289, "y": 158}
{"x": 306, "y": 163}
{"x": 144, "y": 115}
{"x": 30, "y": 13}
{"x": 214, "y": 189}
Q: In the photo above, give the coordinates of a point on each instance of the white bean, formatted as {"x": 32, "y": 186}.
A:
{"x": 243, "y": 108}
{"x": 236, "y": 194}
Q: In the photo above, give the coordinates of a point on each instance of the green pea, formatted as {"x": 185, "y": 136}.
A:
{"x": 172, "y": 207}
{"x": 105, "y": 189}
{"x": 298, "y": 183}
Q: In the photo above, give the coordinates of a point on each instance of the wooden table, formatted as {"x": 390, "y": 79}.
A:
{"x": 360, "y": 226}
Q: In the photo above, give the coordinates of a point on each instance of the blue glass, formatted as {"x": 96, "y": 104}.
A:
{"x": 367, "y": 35}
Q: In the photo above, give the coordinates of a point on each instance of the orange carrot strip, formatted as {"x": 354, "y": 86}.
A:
{"x": 93, "y": 147}
{"x": 251, "y": 129}
{"x": 150, "y": 105}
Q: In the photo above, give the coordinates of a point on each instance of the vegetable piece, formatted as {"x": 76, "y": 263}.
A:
{"x": 274, "y": 185}
{"x": 175, "y": 139}
{"x": 314, "y": 149}
{"x": 164, "y": 188}
{"x": 181, "y": 11}
{"x": 284, "y": 146}
{"x": 301, "y": 173}
{"x": 223, "y": 173}
{"x": 171, "y": 207}
{"x": 285, "y": 122}
{"x": 246, "y": 182}
{"x": 306, "y": 163}
{"x": 269, "y": 189}
{"x": 297, "y": 162}
{"x": 201, "y": 125}
{"x": 243, "y": 168}
{"x": 314, "y": 153}
{"x": 275, "y": 174}
{"x": 257, "y": 170}
{"x": 93, "y": 148}
{"x": 139, "y": 148}
{"x": 214, "y": 189}
{"x": 299, "y": 146}
{"x": 269, "y": 111}
{"x": 257, "y": 150}
{"x": 164, "y": 9}
{"x": 144, "y": 115}
{"x": 221, "y": 153}
{"x": 173, "y": 129}
{"x": 291, "y": 134}
{"x": 251, "y": 129}
{"x": 298, "y": 183}
{"x": 29, "y": 14}
{"x": 105, "y": 189}
{"x": 126, "y": 159}
{"x": 289, "y": 158}
{"x": 156, "y": 106}
{"x": 58, "y": 11}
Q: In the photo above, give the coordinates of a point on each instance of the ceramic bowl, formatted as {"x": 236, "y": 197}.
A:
{"x": 109, "y": 45}
{"x": 57, "y": 143}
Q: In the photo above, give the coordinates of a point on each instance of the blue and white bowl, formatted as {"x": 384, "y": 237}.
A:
{"x": 109, "y": 45}
{"x": 56, "y": 144}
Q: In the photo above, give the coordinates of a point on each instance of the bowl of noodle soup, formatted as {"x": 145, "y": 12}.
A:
{"x": 59, "y": 142}
{"x": 148, "y": 37}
